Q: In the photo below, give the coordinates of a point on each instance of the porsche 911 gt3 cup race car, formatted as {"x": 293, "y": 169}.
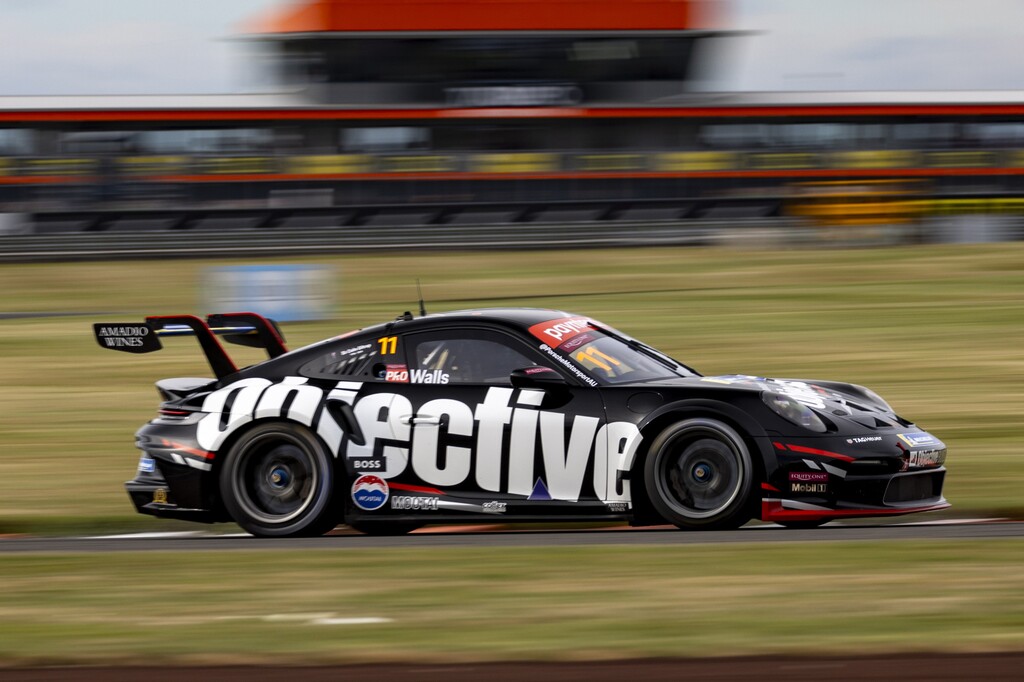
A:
{"x": 506, "y": 415}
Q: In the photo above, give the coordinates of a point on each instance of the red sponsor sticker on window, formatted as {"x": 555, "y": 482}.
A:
{"x": 397, "y": 373}
{"x": 556, "y": 332}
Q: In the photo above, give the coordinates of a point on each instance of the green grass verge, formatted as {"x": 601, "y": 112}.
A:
{"x": 511, "y": 603}
{"x": 938, "y": 331}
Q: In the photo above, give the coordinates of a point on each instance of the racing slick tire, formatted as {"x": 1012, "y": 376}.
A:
{"x": 278, "y": 481}
{"x": 384, "y": 528}
{"x": 699, "y": 474}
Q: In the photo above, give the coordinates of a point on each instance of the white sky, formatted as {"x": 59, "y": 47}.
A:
{"x": 54, "y": 47}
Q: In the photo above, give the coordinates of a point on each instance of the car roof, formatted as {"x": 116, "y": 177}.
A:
{"x": 515, "y": 318}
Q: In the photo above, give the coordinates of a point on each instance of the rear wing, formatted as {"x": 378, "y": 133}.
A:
{"x": 246, "y": 329}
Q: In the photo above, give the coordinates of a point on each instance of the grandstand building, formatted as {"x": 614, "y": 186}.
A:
{"x": 504, "y": 102}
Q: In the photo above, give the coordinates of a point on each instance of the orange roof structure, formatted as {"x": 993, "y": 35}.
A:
{"x": 353, "y": 16}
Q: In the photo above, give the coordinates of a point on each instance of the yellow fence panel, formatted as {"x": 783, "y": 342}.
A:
{"x": 961, "y": 159}
{"x": 235, "y": 165}
{"x": 874, "y": 158}
{"x": 330, "y": 164}
{"x": 418, "y": 163}
{"x": 783, "y": 160}
{"x": 597, "y": 163}
{"x": 153, "y": 165}
{"x": 696, "y": 162}
{"x": 37, "y": 167}
{"x": 515, "y": 162}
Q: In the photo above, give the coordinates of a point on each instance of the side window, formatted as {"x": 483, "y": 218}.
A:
{"x": 355, "y": 360}
{"x": 464, "y": 357}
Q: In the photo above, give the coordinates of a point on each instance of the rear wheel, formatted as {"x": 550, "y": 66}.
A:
{"x": 278, "y": 481}
{"x": 699, "y": 475}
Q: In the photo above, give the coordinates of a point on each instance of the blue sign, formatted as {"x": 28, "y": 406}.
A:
{"x": 286, "y": 293}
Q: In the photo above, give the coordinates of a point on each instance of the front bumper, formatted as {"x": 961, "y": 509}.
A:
{"x": 843, "y": 478}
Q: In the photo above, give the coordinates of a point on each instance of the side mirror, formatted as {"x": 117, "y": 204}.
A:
{"x": 536, "y": 377}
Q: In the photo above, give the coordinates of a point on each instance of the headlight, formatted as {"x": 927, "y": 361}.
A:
{"x": 793, "y": 411}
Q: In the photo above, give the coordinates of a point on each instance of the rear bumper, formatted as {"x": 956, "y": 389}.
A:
{"x": 154, "y": 498}
{"x": 179, "y": 481}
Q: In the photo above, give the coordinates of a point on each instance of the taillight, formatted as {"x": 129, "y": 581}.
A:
{"x": 165, "y": 412}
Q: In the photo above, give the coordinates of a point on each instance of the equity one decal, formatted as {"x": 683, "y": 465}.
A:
{"x": 451, "y": 440}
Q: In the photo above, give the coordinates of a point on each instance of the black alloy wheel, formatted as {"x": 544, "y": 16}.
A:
{"x": 699, "y": 475}
{"x": 278, "y": 481}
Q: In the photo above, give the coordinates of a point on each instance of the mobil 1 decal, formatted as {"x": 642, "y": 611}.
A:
{"x": 493, "y": 439}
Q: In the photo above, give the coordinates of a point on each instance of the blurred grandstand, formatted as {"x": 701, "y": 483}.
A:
{"x": 412, "y": 113}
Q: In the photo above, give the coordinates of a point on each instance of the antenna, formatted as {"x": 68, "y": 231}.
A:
{"x": 419, "y": 290}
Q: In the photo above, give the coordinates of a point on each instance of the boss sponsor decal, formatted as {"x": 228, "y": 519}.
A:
{"x": 368, "y": 464}
{"x": 808, "y": 477}
{"x": 370, "y": 492}
{"x": 916, "y": 440}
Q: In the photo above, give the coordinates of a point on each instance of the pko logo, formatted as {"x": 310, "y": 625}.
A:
{"x": 370, "y": 492}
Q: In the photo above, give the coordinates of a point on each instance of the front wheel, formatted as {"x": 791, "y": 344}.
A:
{"x": 699, "y": 475}
{"x": 278, "y": 481}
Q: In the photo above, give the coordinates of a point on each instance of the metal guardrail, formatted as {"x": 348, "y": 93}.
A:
{"x": 268, "y": 242}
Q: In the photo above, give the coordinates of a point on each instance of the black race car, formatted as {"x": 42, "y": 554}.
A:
{"x": 507, "y": 415}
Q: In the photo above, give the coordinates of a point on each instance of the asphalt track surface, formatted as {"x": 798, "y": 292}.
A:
{"x": 445, "y": 537}
{"x": 996, "y": 667}
{"x": 908, "y": 667}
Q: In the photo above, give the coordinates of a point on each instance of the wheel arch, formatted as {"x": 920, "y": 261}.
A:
{"x": 752, "y": 433}
{"x": 236, "y": 435}
{"x": 323, "y": 519}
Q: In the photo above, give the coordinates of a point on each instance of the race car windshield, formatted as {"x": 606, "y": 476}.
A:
{"x": 607, "y": 356}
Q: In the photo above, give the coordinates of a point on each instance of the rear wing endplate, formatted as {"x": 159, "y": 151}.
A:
{"x": 247, "y": 329}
